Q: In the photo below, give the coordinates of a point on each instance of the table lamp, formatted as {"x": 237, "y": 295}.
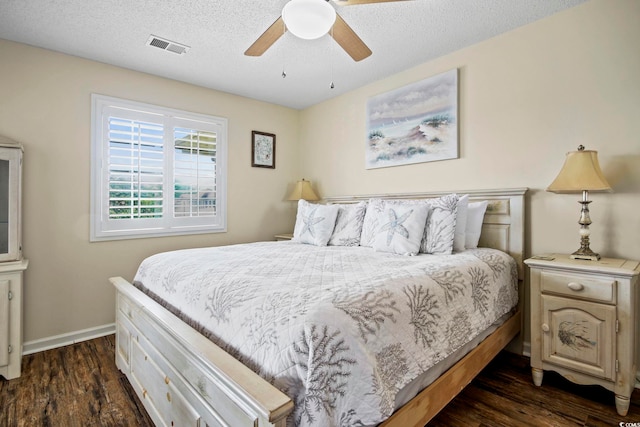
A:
{"x": 303, "y": 190}
{"x": 581, "y": 173}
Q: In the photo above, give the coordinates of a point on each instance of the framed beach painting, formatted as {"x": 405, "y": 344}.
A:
{"x": 263, "y": 150}
{"x": 414, "y": 124}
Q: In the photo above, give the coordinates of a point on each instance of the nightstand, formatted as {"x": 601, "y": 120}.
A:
{"x": 280, "y": 237}
{"x": 583, "y": 322}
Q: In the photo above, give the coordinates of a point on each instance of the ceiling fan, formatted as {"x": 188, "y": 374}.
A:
{"x": 311, "y": 19}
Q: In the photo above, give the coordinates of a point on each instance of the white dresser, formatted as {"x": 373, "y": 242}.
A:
{"x": 11, "y": 318}
{"x": 12, "y": 265}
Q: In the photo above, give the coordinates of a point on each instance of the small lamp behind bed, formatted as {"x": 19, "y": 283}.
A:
{"x": 580, "y": 174}
{"x": 303, "y": 191}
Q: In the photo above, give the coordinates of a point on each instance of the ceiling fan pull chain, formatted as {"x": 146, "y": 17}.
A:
{"x": 284, "y": 73}
{"x": 331, "y": 60}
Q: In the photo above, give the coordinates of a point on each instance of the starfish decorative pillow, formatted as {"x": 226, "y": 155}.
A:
{"x": 314, "y": 223}
{"x": 400, "y": 228}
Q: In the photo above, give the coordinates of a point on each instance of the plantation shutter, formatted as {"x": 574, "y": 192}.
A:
{"x": 155, "y": 171}
{"x": 136, "y": 169}
{"x": 194, "y": 172}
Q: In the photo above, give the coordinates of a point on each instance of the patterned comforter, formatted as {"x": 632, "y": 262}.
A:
{"x": 338, "y": 329}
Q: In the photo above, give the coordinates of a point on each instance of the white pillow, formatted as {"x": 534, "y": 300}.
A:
{"x": 370, "y": 223}
{"x": 475, "y": 217}
{"x": 400, "y": 228}
{"x": 314, "y": 223}
{"x": 441, "y": 225}
{"x": 371, "y": 218}
{"x": 349, "y": 222}
{"x": 461, "y": 224}
{"x": 439, "y": 230}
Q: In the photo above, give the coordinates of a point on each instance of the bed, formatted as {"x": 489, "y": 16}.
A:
{"x": 183, "y": 378}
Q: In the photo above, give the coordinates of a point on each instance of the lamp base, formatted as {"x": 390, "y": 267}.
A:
{"x": 586, "y": 254}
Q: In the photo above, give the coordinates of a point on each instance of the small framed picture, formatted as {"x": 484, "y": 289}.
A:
{"x": 263, "y": 150}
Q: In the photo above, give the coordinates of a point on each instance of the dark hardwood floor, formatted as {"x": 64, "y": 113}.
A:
{"x": 79, "y": 385}
{"x": 504, "y": 395}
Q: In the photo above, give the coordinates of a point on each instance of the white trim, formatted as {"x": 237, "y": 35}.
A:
{"x": 69, "y": 338}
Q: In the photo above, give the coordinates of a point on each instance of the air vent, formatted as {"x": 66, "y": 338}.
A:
{"x": 167, "y": 45}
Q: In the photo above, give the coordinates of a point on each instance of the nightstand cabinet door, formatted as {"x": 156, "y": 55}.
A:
{"x": 579, "y": 335}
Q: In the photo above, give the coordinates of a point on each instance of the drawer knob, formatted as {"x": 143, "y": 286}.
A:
{"x": 575, "y": 286}
{"x": 545, "y": 327}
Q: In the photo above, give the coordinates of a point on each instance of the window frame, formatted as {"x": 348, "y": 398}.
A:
{"x": 101, "y": 227}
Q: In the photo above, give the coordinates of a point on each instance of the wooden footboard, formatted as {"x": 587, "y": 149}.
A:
{"x": 181, "y": 377}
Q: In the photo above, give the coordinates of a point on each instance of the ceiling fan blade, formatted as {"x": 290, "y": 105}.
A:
{"x": 353, "y": 2}
{"x": 268, "y": 38}
{"x": 349, "y": 40}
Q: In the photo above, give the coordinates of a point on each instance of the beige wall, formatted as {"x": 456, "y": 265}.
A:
{"x": 526, "y": 98}
{"x": 45, "y": 104}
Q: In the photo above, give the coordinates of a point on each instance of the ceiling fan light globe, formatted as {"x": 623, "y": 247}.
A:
{"x": 308, "y": 19}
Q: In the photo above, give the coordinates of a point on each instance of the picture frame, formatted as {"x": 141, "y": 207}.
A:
{"x": 263, "y": 150}
{"x": 415, "y": 123}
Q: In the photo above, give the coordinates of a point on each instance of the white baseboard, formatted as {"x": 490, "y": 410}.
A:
{"x": 56, "y": 341}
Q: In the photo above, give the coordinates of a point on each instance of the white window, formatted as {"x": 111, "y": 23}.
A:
{"x": 155, "y": 171}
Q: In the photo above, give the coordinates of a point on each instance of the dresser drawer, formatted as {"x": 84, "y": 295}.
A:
{"x": 593, "y": 288}
{"x": 157, "y": 387}
{"x": 125, "y": 306}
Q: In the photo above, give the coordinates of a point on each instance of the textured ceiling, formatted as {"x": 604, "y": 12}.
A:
{"x": 400, "y": 34}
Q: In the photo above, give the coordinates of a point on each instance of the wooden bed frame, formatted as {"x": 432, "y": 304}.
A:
{"x": 184, "y": 379}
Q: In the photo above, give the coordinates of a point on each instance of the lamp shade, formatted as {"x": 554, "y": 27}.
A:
{"x": 308, "y": 19}
{"x": 581, "y": 171}
{"x": 303, "y": 190}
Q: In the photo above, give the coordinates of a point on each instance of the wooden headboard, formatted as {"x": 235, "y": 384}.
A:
{"x": 503, "y": 226}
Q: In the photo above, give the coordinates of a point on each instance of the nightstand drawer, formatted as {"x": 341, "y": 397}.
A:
{"x": 592, "y": 288}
